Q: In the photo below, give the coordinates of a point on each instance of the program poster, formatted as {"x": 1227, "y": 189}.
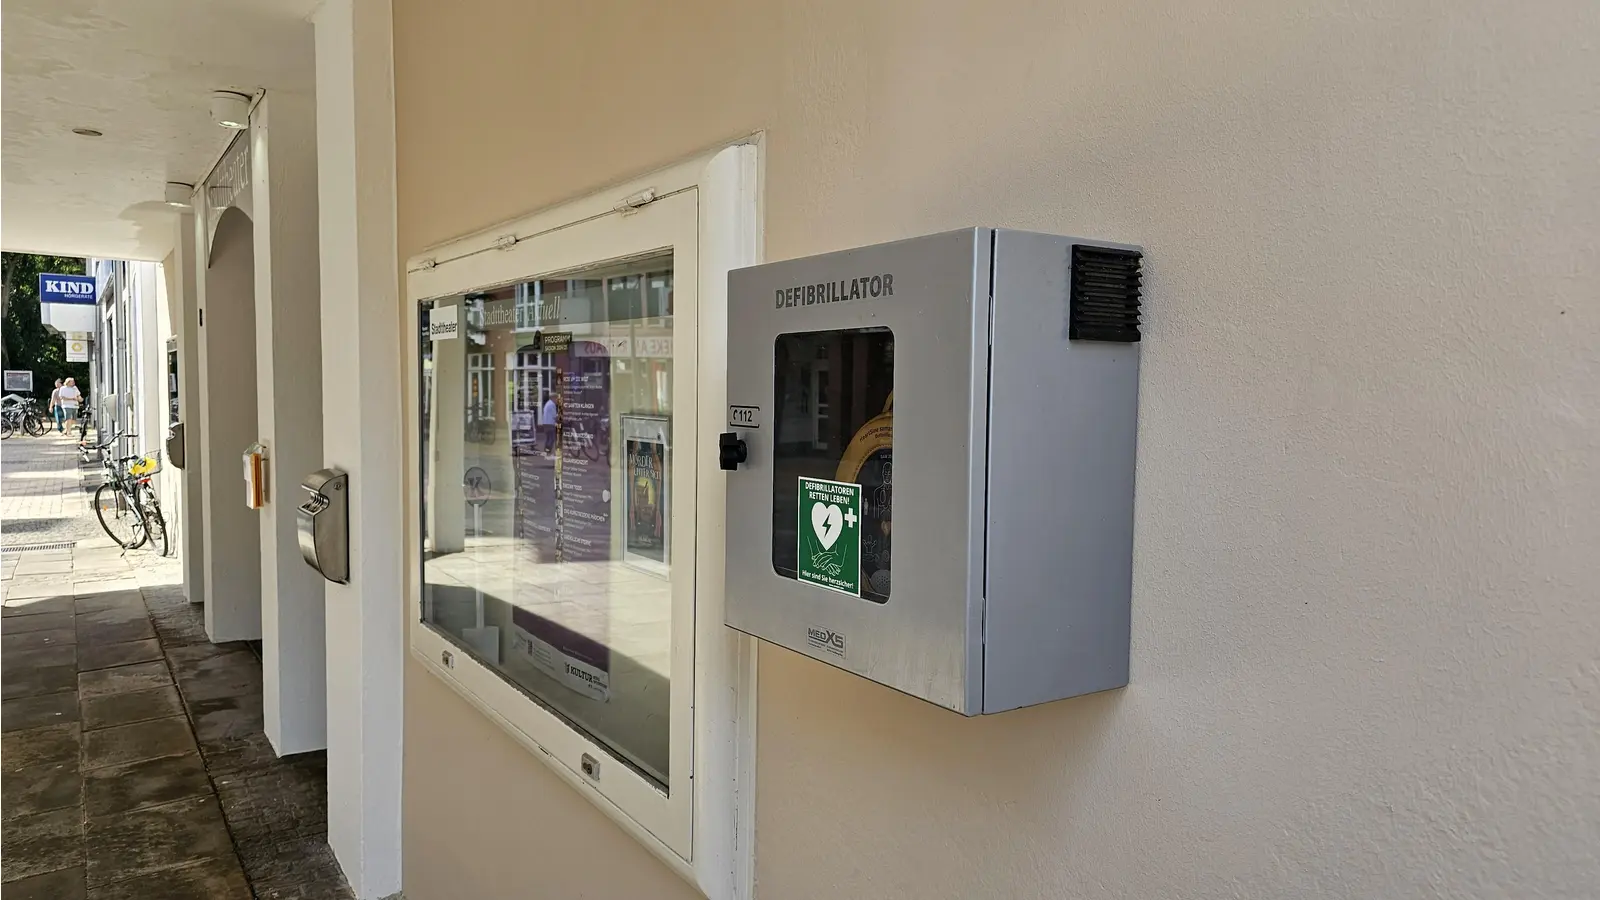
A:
{"x": 564, "y": 513}
{"x": 583, "y": 462}
{"x": 647, "y": 503}
{"x": 564, "y": 492}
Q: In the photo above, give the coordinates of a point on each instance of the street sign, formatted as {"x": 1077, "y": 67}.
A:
{"x": 77, "y": 289}
{"x": 830, "y": 535}
{"x": 476, "y": 485}
{"x": 19, "y": 380}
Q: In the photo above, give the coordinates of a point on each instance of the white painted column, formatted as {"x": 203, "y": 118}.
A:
{"x": 170, "y": 482}
{"x": 183, "y": 274}
{"x": 227, "y": 426}
{"x": 149, "y": 384}
{"x": 362, "y": 369}
{"x": 283, "y": 166}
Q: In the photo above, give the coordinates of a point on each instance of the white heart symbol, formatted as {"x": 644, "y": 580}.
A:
{"x": 827, "y": 521}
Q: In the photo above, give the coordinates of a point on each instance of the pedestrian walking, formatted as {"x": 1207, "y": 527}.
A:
{"x": 55, "y": 408}
{"x": 547, "y": 423}
{"x": 69, "y": 397}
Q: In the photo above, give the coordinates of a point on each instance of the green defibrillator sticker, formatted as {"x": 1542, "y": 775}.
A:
{"x": 830, "y": 535}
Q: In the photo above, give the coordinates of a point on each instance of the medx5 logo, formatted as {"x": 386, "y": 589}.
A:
{"x": 825, "y": 639}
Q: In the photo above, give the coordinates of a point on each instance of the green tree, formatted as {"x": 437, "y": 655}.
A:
{"x": 28, "y": 344}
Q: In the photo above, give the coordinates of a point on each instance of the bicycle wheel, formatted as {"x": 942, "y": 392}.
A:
{"x": 36, "y": 426}
{"x": 155, "y": 524}
{"x": 117, "y": 516}
{"x": 7, "y": 429}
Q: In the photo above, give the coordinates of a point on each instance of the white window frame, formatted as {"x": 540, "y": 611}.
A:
{"x": 708, "y": 210}
{"x": 480, "y": 381}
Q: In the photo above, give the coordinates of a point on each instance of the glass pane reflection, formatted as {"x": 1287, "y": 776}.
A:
{"x": 546, "y": 456}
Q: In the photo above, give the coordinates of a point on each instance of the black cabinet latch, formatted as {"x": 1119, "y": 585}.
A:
{"x": 731, "y": 451}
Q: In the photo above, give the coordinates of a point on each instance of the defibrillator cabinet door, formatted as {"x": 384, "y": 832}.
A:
{"x": 857, "y": 382}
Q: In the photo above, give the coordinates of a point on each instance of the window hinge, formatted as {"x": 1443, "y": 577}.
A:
{"x": 505, "y": 242}
{"x": 635, "y": 201}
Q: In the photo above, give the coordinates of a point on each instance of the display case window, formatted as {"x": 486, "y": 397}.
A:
{"x": 547, "y": 542}
{"x": 833, "y": 459}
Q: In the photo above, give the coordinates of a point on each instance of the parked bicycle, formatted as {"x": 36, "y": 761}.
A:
{"x": 90, "y": 453}
{"x": 23, "y": 416}
{"x": 126, "y": 504}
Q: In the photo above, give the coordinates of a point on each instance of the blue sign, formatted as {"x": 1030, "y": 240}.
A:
{"x": 67, "y": 289}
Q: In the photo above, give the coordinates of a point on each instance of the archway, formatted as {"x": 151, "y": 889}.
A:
{"x": 228, "y": 426}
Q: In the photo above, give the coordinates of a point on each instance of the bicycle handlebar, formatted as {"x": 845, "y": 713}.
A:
{"x": 113, "y": 439}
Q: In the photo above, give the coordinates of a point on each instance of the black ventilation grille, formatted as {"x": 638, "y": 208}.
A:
{"x": 1104, "y": 297}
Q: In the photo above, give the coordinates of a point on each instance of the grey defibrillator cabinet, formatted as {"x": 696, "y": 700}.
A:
{"x": 930, "y": 455}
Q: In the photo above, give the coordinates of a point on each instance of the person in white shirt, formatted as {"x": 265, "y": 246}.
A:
{"x": 68, "y": 398}
{"x": 547, "y": 422}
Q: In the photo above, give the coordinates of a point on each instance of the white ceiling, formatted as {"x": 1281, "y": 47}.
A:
{"x": 142, "y": 72}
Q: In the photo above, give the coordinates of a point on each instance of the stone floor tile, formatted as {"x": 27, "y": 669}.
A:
{"x": 56, "y": 655}
{"x": 180, "y": 626}
{"x": 100, "y": 579}
{"x": 128, "y": 610}
{"x": 131, "y": 743}
{"x": 105, "y": 656}
{"x": 44, "y": 567}
{"x": 250, "y": 754}
{"x": 43, "y": 842}
{"x": 31, "y": 712}
{"x": 134, "y": 677}
{"x": 112, "y": 627}
{"x": 228, "y": 674}
{"x": 40, "y": 789}
{"x": 49, "y": 745}
{"x": 62, "y": 884}
{"x": 39, "y": 622}
{"x": 35, "y": 640}
{"x": 227, "y": 718}
{"x": 97, "y": 541}
{"x": 195, "y": 657}
{"x": 293, "y": 868}
{"x": 120, "y": 600}
{"x": 112, "y": 710}
{"x": 150, "y": 782}
{"x": 108, "y": 554}
{"x": 26, "y": 588}
{"x": 30, "y": 606}
{"x": 220, "y": 878}
{"x": 154, "y": 839}
{"x": 283, "y": 799}
{"x": 31, "y": 682}
{"x": 108, "y": 578}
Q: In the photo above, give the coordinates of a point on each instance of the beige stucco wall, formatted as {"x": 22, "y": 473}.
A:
{"x": 1365, "y": 624}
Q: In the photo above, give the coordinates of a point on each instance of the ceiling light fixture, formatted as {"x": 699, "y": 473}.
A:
{"x": 179, "y": 195}
{"x": 88, "y": 132}
{"x": 230, "y": 109}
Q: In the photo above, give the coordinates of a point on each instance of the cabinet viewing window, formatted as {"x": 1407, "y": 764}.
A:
{"x": 562, "y": 388}
{"x": 551, "y": 567}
